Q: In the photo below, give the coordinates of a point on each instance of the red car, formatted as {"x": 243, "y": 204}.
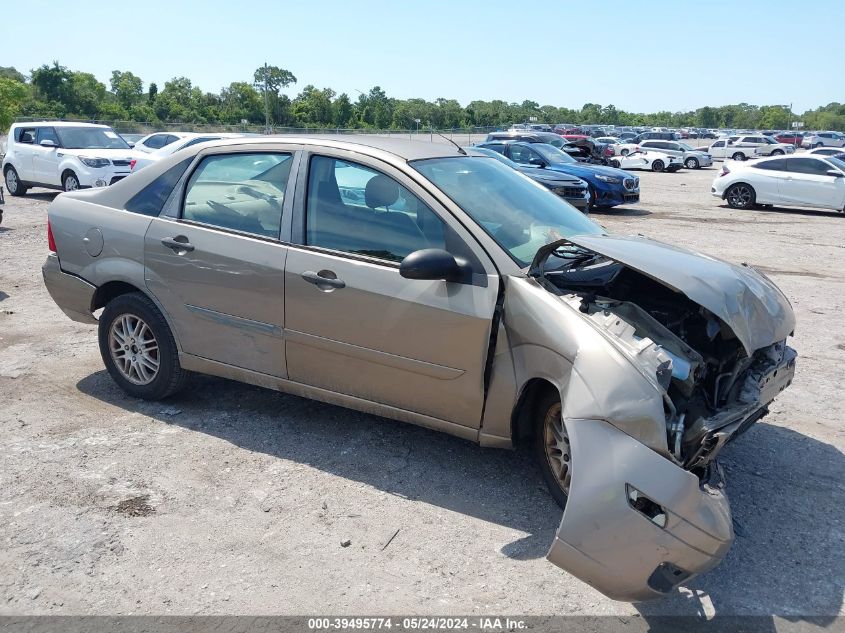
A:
{"x": 791, "y": 138}
{"x": 576, "y": 137}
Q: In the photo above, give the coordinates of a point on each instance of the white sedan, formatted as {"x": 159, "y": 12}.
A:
{"x": 655, "y": 161}
{"x": 618, "y": 146}
{"x": 797, "y": 181}
{"x": 186, "y": 139}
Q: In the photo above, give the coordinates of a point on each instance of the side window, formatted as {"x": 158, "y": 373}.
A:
{"x": 807, "y": 166}
{"x": 46, "y": 134}
{"x": 778, "y": 164}
{"x": 496, "y": 147}
{"x": 649, "y": 145}
{"x": 27, "y": 135}
{"x": 356, "y": 209}
{"x": 522, "y": 154}
{"x": 199, "y": 139}
{"x": 156, "y": 141}
{"x": 151, "y": 199}
{"x": 241, "y": 192}
{"x": 168, "y": 139}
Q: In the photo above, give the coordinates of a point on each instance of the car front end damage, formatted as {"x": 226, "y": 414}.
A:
{"x": 693, "y": 350}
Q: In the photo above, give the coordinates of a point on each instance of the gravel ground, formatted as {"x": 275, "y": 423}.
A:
{"x": 234, "y": 499}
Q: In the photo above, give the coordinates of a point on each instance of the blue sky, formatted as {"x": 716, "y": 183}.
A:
{"x": 637, "y": 55}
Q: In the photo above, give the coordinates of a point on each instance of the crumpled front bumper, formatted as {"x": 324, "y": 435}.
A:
{"x": 632, "y": 550}
{"x": 71, "y": 293}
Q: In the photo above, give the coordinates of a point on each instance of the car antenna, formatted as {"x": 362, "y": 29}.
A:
{"x": 460, "y": 149}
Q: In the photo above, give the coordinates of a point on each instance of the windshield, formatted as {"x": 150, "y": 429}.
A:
{"x": 90, "y": 138}
{"x": 494, "y": 154}
{"x": 770, "y": 140}
{"x": 837, "y": 161}
{"x": 687, "y": 147}
{"x": 520, "y": 215}
{"x": 553, "y": 154}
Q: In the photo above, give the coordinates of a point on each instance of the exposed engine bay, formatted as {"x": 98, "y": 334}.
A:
{"x": 713, "y": 389}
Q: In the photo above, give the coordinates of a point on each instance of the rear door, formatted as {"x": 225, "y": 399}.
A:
{"x": 807, "y": 183}
{"x": 353, "y": 324}
{"x": 25, "y": 153}
{"x": 216, "y": 261}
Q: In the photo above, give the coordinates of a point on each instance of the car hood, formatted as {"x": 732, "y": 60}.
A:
{"x": 582, "y": 170}
{"x": 748, "y": 302}
{"x": 111, "y": 154}
{"x": 549, "y": 175}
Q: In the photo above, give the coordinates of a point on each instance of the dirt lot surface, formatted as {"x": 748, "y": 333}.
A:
{"x": 233, "y": 499}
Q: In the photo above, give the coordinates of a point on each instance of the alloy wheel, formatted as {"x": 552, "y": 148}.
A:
{"x": 134, "y": 349}
{"x": 556, "y": 443}
{"x": 12, "y": 181}
{"x": 740, "y": 196}
{"x": 71, "y": 183}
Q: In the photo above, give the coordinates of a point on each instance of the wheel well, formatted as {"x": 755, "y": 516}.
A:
{"x": 525, "y": 412}
{"x": 65, "y": 173}
{"x": 111, "y": 290}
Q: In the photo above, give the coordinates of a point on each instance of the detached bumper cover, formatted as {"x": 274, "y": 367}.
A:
{"x": 72, "y": 294}
{"x": 636, "y": 552}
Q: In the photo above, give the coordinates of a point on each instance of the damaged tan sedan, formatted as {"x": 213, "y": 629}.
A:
{"x": 424, "y": 283}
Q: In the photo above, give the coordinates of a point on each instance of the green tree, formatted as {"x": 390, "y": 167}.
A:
{"x": 153, "y": 93}
{"x": 342, "y": 109}
{"x": 13, "y": 93}
{"x": 127, "y": 87}
{"x": 10, "y": 72}
{"x": 51, "y": 83}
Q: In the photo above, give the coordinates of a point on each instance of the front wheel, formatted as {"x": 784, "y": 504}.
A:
{"x": 551, "y": 448}
{"x": 817, "y": 145}
{"x": 624, "y": 152}
{"x": 740, "y": 196}
{"x": 70, "y": 181}
{"x": 13, "y": 183}
{"x": 691, "y": 163}
{"x": 138, "y": 348}
{"x": 615, "y": 163}
{"x": 777, "y": 152}
{"x": 658, "y": 166}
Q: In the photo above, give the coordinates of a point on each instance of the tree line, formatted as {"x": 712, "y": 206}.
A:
{"x": 54, "y": 91}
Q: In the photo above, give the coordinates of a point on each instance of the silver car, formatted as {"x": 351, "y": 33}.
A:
{"x": 433, "y": 285}
{"x": 692, "y": 158}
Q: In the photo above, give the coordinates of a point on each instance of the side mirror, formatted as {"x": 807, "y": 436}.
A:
{"x": 835, "y": 173}
{"x": 433, "y": 264}
{"x": 537, "y": 162}
{"x": 47, "y": 143}
{"x": 131, "y": 144}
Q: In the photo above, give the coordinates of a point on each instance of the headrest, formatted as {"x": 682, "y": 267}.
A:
{"x": 381, "y": 191}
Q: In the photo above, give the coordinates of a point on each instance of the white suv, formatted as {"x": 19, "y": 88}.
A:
{"x": 824, "y": 139}
{"x": 64, "y": 155}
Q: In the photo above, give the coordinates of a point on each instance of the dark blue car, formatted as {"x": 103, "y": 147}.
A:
{"x": 608, "y": 186}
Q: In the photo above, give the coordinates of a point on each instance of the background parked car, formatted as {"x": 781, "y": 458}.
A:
{"x": 828, "y": 151}
{"x": 802, "y": 180}
{"x": 130, "y": 138}
{"x": 64, "y": 155}
{"x": 155, "y": 141}
{"x": 617, "y": 146}
{"x": 658, "y": 136}
{"x": 745, "y": 146}
{"x": 821, "y": 139}
{"x": 529, "y": 136}
{"x": 608, "y": 186}
{"x": 691, "y": 157}
{"x": 790, "y": 138}
{"x": 571, "y": 188}
{"x": 653, "y": 161}
{"x": 185, "y": 140}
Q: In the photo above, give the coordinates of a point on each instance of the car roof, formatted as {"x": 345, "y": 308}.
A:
{"x": 402, "y": 147}
{"x": 59, "y": 124}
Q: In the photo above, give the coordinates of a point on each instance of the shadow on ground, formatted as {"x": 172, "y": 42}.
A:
{"x": 786, "y": 489}
{"x": 621, "y": 211}
{"x": 819, "y": 213}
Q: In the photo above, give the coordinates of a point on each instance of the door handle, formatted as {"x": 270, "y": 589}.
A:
{"x": 177, "y": 244}
{"x": 324, "y": 280}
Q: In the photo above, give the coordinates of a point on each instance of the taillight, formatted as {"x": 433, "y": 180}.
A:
{"x": 51, "y": 243}
{"x": 725, "y": 171}
{"x": 132, "y": 164}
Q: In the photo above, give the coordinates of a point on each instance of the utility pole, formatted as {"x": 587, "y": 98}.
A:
{"x": 266, "y": 103}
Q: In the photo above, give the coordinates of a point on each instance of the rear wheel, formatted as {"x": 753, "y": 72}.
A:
{"x": 138, "y": 348}
{"x": 817, "y": 145}
{"x": 13, "y": 183}
{"x": 658, "y": 166}
{"x": 740, "y": 196}
{"x": 691, "y": 163}
{"x": 738, "y": 156}
{"x": 551, "y": 447}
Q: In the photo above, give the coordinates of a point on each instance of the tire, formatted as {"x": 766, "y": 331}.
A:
{"x": 691, "y": 163}
{"x": 70, "y": 181}
{"x": 817, "y": 145}
{"x": 738, "y": 156}
{"x": 615, "y": 163}
{"x": 624, "y": 152}
{"x": 551, "y": 449}
{"x": 658, "y": 165}
{"x": 150, "y": 367}
{"x": 777, "y": 152}
{"x": 13, "y": 182}
{"x": 592, "y": 204}
{"x": 741, "y": 196}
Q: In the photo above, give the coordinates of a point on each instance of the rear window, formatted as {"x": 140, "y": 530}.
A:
{"x": 151, "y": 199}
